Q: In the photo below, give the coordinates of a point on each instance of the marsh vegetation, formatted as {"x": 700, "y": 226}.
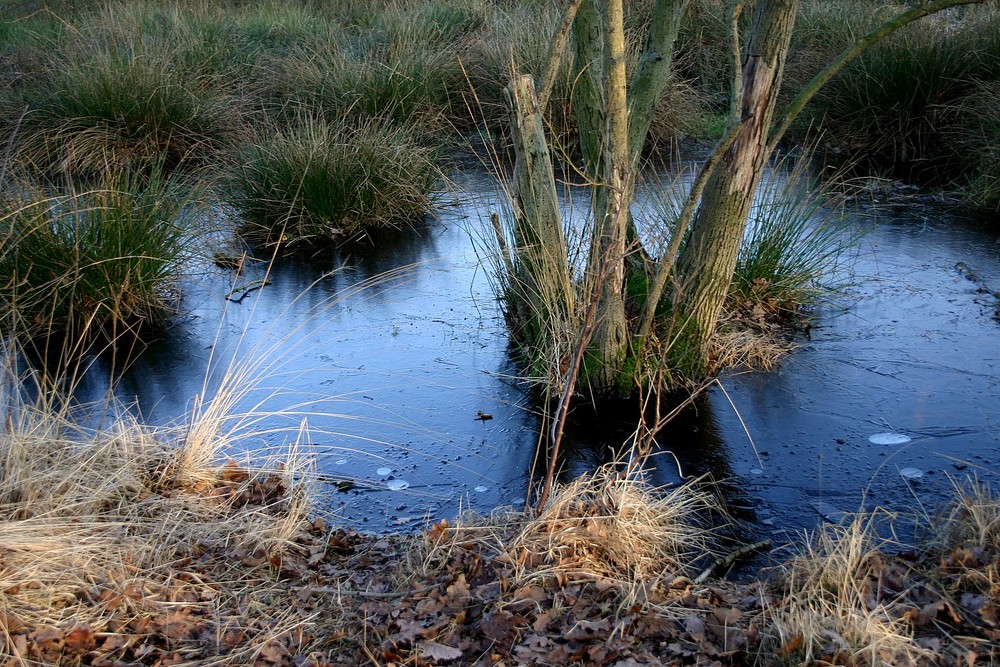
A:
{"x": 144, "y": 141}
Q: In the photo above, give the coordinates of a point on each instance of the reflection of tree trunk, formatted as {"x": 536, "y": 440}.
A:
{"x": 707, "y": 262}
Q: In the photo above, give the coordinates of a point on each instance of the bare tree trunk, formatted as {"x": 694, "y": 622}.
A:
{"x": 588, "y": 103}
{"x": 654, "y": 71}
{"x": 543, "y": 290}
{"x": 708, "y": 260}
{"x": 607, "y": 260}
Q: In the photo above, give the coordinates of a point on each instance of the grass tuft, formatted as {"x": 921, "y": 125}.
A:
{"x": 93, "y": 262}
{"x": 615, "y": 527}
{"x": 792, "y": 241}
{"x": 835, "y": 610}
{"x": 976, "y": 137}
{"x": 322, "y": 181}
{"x": 892, "y": 104}
{"x": 92, "y": 109}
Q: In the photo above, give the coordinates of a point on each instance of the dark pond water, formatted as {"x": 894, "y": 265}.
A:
{"x": 390, "y": 378}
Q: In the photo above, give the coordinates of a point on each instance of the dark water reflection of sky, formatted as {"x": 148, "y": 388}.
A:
{"x": 390, "y": 378}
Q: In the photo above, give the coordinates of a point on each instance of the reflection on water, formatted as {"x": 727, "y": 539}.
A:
{"x": 390, "y": 379}
{"x": 911, "y": 348}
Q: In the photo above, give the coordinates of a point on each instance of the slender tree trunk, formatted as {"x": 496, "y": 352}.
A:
{"x": 607, "y": 261}
{"x": 708, "y": 260}
{"x": 654, "y": 73}
{"x": 588, "y": 85}
{"x": 544, "y": 292}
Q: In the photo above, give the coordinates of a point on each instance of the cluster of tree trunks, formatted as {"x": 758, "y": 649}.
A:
{"x": 613, "y": 115}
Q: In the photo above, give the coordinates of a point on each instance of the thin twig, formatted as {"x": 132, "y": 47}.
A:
{"x": 732, "y": 557}
{"x": 742, "y": 423}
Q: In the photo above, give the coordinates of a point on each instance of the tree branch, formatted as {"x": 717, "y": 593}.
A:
{"x": 556, "y": 54}
{"x": 859, "y": 47}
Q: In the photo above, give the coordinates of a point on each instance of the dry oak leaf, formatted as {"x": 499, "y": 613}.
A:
{"x": 438, "y": 652}
{"x": 530, "y": 593}
{"x": 499, "y": 626}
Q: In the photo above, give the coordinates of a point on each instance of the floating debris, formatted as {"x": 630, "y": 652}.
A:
{"x": 911, "y": 473}
{"x": 397, "y": 484}
{"x": 482, "y": 489}
{"x": 384, "y": 471}
{"x": 889, "y": 439}
{"x": 756, "y": 471}
{"x": 340, "y": 462}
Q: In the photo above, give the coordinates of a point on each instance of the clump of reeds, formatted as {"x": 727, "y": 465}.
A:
{"x": 121, "y": 106}
{"x": 321, "y": 181}
{"x": 93, "y": 261}
{"x": 976, "y": 139}
{"x": 614, "y": 526}
{"x": 111, "y": 531}
{"x": 836, "y": 609}
{"x": 792, "y": 240}
{"x": 893, "y": 102}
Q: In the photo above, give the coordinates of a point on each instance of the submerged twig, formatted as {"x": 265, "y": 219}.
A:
{"x": 247, "y": 289}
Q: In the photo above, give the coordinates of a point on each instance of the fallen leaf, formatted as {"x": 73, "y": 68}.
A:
{"x": 727, "y": 617}
{"x": 931, "y": 611}
{"x": 583, "y": 629}
{"x": 791, "y": 646}
{"x": 437, "y": 532}
{"x": 695, "y": 627}
{"x": 530, "y": 593}
{"x": 544, "y": 618}
{"x": 46, "y": 633}
{"x": 80, "y": 639}
{"x": 438, "y": 652}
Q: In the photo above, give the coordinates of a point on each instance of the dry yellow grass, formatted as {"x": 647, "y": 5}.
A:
{"x": 834, "y": 608}
{"x": 613, "y": 527}
{"x": 99, "y": 534}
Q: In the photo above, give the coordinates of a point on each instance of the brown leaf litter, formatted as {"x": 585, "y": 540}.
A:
{"x": 552, "y": 590}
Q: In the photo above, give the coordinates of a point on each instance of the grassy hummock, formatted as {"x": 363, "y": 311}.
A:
{"x": 123, "y": 107}
{"x": 93, "y": 261}
{"x": 321, "y": 181}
